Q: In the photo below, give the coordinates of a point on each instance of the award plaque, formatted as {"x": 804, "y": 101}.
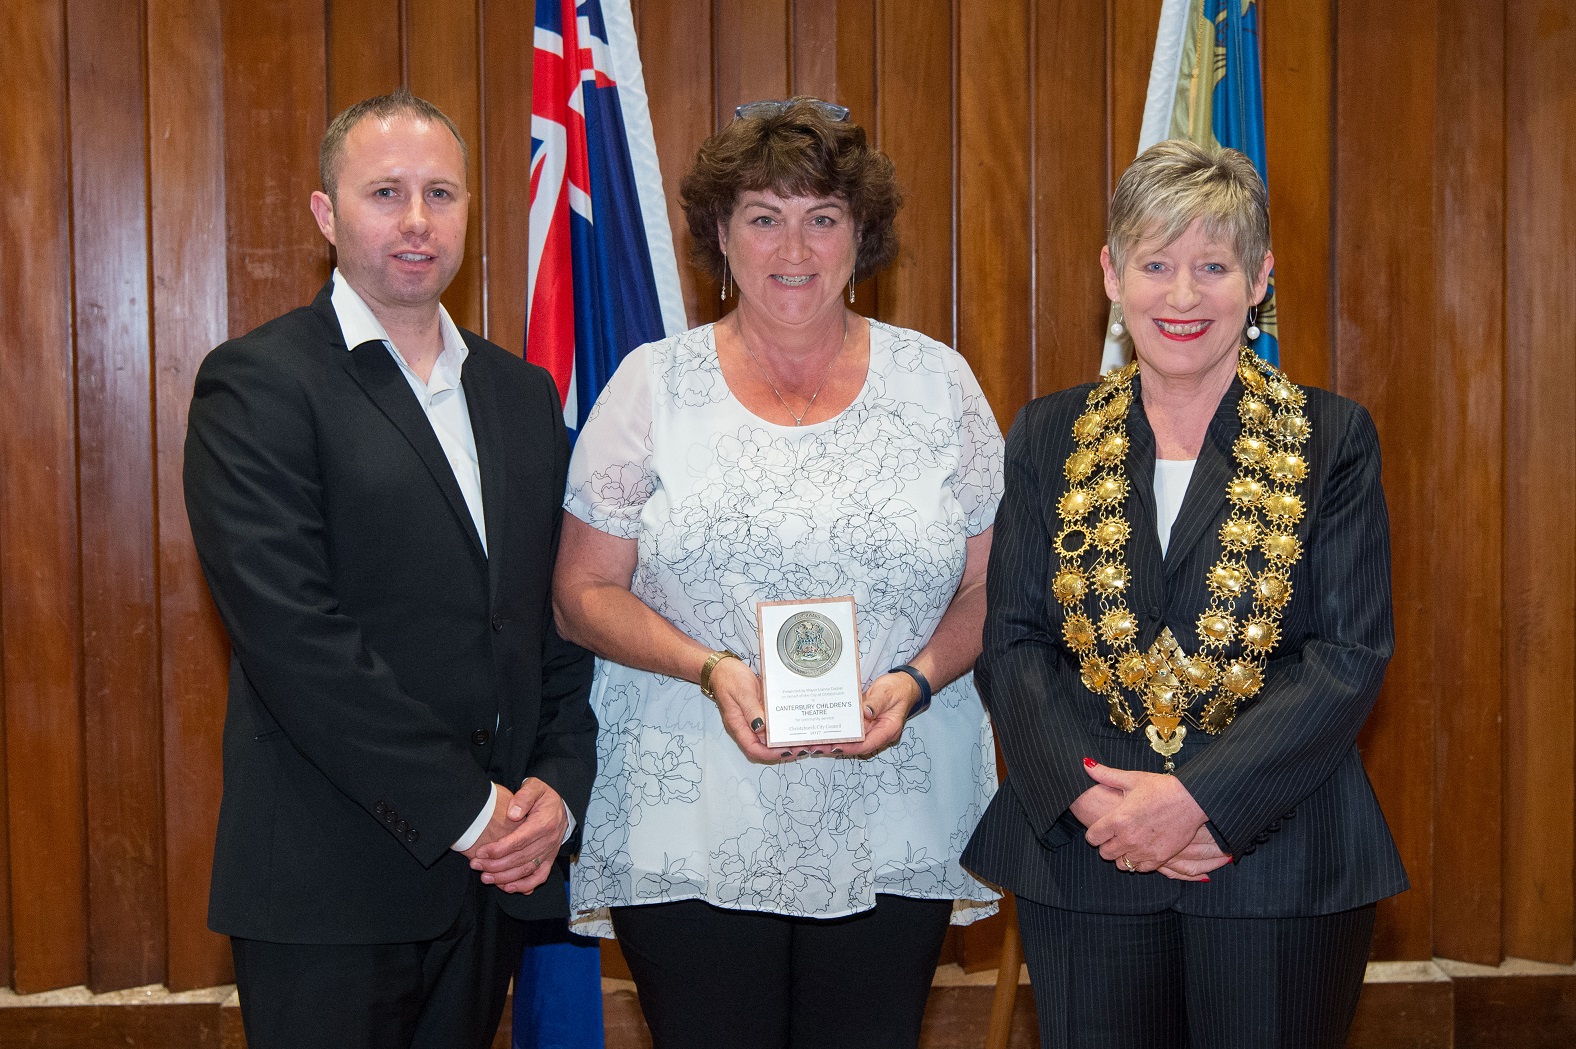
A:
{"x": 810, "y": 672}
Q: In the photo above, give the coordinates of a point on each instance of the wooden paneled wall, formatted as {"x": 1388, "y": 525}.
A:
{"x": 160, "y": 154}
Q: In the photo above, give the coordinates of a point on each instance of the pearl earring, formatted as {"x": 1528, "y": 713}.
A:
{"x": 1117, "y": 327}
{"x": 1253, "y": 324}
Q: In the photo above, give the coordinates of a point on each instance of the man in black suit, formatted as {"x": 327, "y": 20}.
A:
{"x": 374, "y": 494}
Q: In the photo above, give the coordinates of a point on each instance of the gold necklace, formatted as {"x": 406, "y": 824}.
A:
{"x": 798, "y": 420}
{"x": 1092, "y": 579}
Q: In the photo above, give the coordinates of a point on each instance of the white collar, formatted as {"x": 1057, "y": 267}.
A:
{"x": 359, "y": 324}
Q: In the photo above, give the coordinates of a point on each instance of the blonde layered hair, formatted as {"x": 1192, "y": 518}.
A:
{"x": 1176, "y": 183}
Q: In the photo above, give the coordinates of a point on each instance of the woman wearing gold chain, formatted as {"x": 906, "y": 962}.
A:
{"x": 1189, "y": 619}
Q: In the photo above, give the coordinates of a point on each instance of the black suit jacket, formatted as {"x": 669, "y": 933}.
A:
{"x": 1283, "y": 786}
{"x": 384, "y": 670}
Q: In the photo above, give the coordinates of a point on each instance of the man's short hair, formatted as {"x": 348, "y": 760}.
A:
{"x": 400, "y": 103}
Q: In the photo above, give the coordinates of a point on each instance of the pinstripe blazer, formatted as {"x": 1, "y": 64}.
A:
{"x": 1283, "y": 786}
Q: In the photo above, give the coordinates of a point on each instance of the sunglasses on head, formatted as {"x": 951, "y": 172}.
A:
{"x": 772, "y": 107}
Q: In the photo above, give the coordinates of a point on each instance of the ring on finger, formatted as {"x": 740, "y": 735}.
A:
{"x": 1128, "y": 863}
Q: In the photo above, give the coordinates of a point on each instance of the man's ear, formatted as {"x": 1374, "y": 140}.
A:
{"x": 323, "y": 212}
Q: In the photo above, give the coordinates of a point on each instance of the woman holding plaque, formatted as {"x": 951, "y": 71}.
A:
{"x": 1189, "y": 619}
{"x": 791, "y": 452}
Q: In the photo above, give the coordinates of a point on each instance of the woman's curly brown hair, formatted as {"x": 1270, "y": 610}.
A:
{"x": 799, "y": 151}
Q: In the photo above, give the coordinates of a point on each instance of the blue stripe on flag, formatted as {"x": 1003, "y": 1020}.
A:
{"x": 616, "y": 306}
{"x": 1237, "y": 111}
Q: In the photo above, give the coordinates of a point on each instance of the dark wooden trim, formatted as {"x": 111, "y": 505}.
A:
{"x": 115, "y": 493}
{"x": 187, "y": 242}
{"x": 1384, "y": 301}
{"x": 1070, "y": 191}
{"x": 1299, "y": 71}
{"x": 995, "y": 195}
{"x": 275, "y": 106}
{"x": 915, "y": 106}
{"x": 1467, "y": 363}
{"x": 1540, "y": 486}
{"x": 501, "y": 167}
{"x": 445, "y": 70}
{"x": 675, "y": 50}
{"x": 40, "y": 608}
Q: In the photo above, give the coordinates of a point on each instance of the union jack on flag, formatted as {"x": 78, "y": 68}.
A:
{"x": 602, "y": 278}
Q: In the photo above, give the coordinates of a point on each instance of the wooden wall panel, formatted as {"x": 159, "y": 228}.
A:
{"x": 1540, "y": 500}
{"x": 274, "y": 115}
{"x": 40, "y": 615}
{"x": 915, "y": 110}
{"x": 1134, "y": 24}
{"x": 442, "y": 40}
{"x": 366, "y": 53}
{"x": 833, "y": 57}
{"x": 1071, "y": 183}
{"x": 187, "y": 224}
{"x": 675, "y": 48}
{"x": 120, "y": 666}
{"x": 1299, "y": 68}
{"x": 502, "y": 168}
{"x": 750, "y": 57}
{"x": 1385, "y": 306}
{"x": 995, "y": 296}
{"x": 812, "y": 49}
{"x": 1467, "y": 360}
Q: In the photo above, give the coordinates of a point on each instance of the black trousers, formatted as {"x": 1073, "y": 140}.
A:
{"x": 446, "y": 993}
{"x": 710, "y": 978}
{"x": 1173, "y": 981}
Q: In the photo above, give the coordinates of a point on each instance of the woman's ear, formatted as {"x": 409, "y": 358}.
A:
{"x": 1113, "y": 279}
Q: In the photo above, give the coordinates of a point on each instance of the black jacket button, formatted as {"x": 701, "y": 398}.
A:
{"x": 413, "y": 836}
{"x": 381, "y": 807}
{"x": 401, "y": 826}
{"x": 389, "y": 815}
{"x": 481, "y": 737}
{"x": 497, "y": 624}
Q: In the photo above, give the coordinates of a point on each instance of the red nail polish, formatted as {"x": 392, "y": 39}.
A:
{"x": 1204, "y": 878}
{"x": 1090, "y": 763}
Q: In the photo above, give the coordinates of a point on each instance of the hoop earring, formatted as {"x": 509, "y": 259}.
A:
{"x": 727, "y": 282}
{"x": 850, "y": 289}
{"x": 1253, "y": 323}
{"x": 1117, "y": 327}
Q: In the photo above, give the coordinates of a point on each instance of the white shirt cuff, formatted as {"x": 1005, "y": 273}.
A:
{"x": 479, "y": 824}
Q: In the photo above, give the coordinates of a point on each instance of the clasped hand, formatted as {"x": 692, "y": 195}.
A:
{"x": 1145, "y": 821}
{"x": 740, "y": 702}
{"x": 523, "y": 835}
